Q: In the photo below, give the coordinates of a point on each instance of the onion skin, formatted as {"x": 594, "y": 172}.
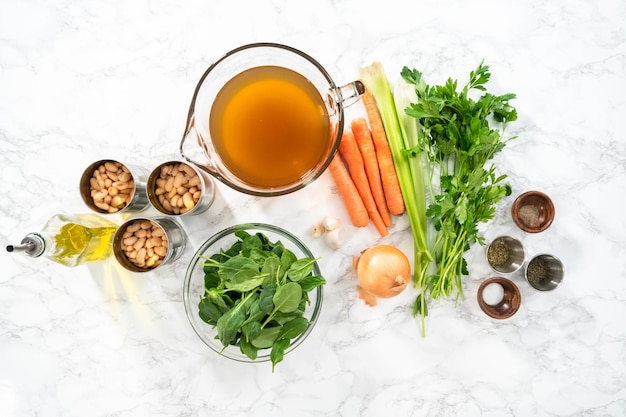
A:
{"x": 384, "y": 271}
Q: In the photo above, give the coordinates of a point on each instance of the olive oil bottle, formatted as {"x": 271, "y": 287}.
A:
{"x": 70, "y": 240}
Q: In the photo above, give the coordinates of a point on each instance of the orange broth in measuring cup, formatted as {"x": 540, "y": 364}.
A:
{"x": 270, "y": 126}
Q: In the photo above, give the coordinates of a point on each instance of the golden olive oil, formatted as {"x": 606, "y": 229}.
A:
{"x": 77, "y": 244}
{"x": 70, "y": 240}
{"x": 270, "y": 126}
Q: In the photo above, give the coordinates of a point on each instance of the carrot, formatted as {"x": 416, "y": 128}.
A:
{"x": 349, "y": 150}
{"x": 391, "y": 184}
{"x": 363, "y": 137}
{"x": 348, "y": 193}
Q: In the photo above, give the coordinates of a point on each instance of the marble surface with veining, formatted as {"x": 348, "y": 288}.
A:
{"x": 86, "y": 80}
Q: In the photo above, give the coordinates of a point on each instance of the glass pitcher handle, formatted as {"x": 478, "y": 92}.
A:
{"x": 351, "y": 92}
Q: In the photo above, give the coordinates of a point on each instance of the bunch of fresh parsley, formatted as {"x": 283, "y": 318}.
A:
{"x": 458, "y": 139}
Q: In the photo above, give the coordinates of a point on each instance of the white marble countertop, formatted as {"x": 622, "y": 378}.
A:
{"x": 85, "y": 80}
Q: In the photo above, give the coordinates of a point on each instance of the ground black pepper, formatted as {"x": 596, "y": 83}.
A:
{"x": 498, "y": 253}
{"x": 537, "y": 272}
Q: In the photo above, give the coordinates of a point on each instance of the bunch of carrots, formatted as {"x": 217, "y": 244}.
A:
{"x": 364, "y": 172}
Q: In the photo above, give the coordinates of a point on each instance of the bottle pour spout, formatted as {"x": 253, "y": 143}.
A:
{"x": 32, "y": 245}
{"x": 20, "y": 248}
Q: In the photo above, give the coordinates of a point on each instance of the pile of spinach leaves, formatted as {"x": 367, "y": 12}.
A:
{"x": 255, "y": 294}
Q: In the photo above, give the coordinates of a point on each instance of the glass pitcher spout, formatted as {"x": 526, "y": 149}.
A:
{"x": 194, "y": 149}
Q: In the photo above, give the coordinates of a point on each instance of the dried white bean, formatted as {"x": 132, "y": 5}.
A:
{"x": 140, "y": 243}
{"x": 124, "y": 176}
{"x": 102, "y": 205}
{"x": 194, "y": 181}
{"x": 188, "y": 200}
{"x": 134, "y": 227}
{"x": 110, "y": 166}
{"x": 112, "y": 175}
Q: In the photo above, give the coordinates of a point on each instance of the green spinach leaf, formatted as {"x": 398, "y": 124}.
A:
{"x": 286, "y": 259}
{"x": 266, "y": 299}
{"x": 250, "y": 244}
{"x": 255, "y": 313}
{"x": 278, "y": 351}
{"x": 251, "y": 330}
{"x": 241, "y": 274}
{"x": 216, "y": 298}
{"x": 266, "y": 337}
{"x": 271, "y": 269}
{"x": 246, "y": 347}
{"x": 287, "y": 297}
{"x": 293, "y": 328}
{"x": 259, "y": 256}
{"x": 229, "y": 324}
{"x": 301, "y": 269}
{"x": 310, "y": 283}
{"x": 212, "y": 279}
{"x": 209, "y": 312}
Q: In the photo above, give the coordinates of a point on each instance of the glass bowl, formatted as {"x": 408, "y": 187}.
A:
{"x": 194, "y": 289}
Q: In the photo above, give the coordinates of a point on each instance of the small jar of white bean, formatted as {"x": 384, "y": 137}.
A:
{"x": 143, "y": 244}
{"x": 178, "y": 188}
{"x": 108, "y": 186}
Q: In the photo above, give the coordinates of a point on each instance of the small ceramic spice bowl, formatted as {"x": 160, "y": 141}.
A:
{"x": 108, "y": 186}
{"x": 533, "y": 211}
{"x": 176, "y": 188}
{"x": 505, "y": 254}
{"x": 142, "y": 244}
{"x": 499, "y": 298}
{"x": 544, "y": 272}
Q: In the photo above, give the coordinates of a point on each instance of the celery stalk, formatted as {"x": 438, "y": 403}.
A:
{"x": 403, "y": 140}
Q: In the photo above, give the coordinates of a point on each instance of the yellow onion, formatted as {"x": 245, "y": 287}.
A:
{"x": 384, "y": 271}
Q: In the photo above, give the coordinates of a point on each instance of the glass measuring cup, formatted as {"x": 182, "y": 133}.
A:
{"x": 202, "y": 146}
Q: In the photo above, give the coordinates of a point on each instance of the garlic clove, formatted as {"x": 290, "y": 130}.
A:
{"x": 332, "y": 238}
{"x": 331, "y": 223}
{"x": 318, "y": 230}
